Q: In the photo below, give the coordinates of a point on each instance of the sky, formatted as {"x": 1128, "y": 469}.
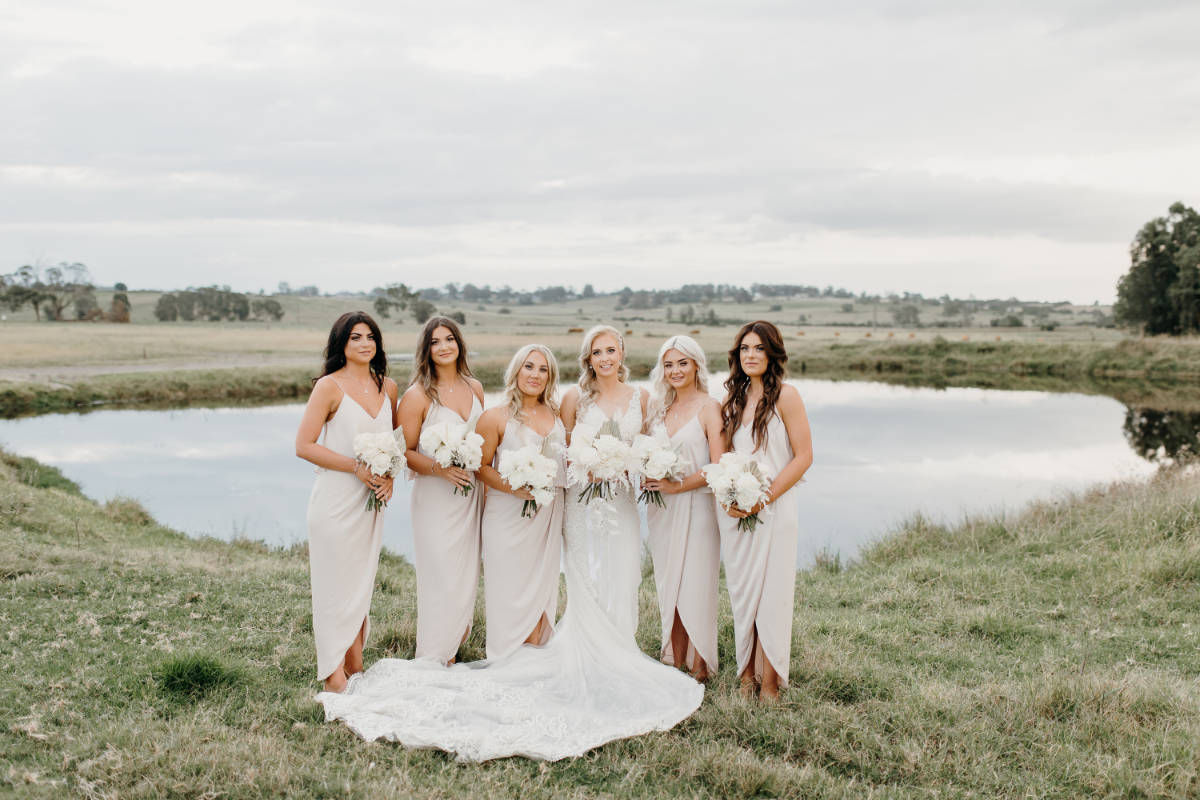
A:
{"x": 992, "y": 149}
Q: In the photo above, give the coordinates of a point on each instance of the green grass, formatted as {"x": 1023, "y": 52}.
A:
{"x": 1055, "y": 653}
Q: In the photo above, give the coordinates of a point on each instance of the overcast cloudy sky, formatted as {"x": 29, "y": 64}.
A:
{"x": 994, "y": 148}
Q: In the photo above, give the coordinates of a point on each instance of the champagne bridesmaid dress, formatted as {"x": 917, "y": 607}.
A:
{"x": 446, "y": 550}
{"x": 685, "y": 545}
{"x": 343, "y": 538}
{"x": 522, "y": 557}
{"x": 760, "y": 565}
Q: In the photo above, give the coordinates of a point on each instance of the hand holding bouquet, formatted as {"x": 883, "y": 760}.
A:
{"x": 382, "y": 454}
{"x": 530, "y": 468}
{"x": 657, "y": 460}
{"x": 599, "y": 458}
{"x": 454, "y": 446}
{"x": 739, "y": 481}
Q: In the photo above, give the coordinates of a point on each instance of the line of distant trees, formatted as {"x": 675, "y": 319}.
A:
{"x": 215, "y": 304}
{"x": 61, "y": 293}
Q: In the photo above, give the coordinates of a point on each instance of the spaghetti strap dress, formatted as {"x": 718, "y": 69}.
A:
{"x": 685, "y": 546}
{"x": 522, "y": 557}
{"x": 445, "y": 551}
{"x": 760, "y": 565}
{"x": 343, "y": 538}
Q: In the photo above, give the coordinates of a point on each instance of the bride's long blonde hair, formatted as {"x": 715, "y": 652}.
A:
{"x": 587, "y": 375}
{"x": 512, "y": 394}
{"x": 662, "y": 394}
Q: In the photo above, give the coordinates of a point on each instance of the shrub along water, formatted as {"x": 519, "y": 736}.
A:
{"x": 1055, "y": 653}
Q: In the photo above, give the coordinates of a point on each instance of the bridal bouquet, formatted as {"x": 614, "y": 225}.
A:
{"x": 657, "y": 460}
{"x": 602, "y": 454}
{"x": 530, "y": 468}
{"x": 738, "y": 480}
{"x": 454, "y": 446}
{"x": 383, "y": 454}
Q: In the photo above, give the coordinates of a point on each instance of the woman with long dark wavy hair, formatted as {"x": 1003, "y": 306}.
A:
{"x": 352, "y": 396}
{"x": 764, "y": 417}
{"x": 445, "y": 523}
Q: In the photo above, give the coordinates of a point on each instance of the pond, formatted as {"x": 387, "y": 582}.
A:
{"x": 883, "y": 454}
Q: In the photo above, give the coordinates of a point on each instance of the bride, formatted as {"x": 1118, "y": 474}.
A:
{"x": 589, "y": 684}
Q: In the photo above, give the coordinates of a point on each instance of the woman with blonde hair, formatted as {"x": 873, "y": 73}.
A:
{"x": 611, "y": 526}
{"x": 521, "y": 556}
{"x": 685, "y": 543}
{"x": 445, "y": 523}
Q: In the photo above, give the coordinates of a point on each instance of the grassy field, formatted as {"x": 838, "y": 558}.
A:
{"x": 493, "y": 331}
{"x": 59, "y": 366}
{"x": 1050, "y": 654}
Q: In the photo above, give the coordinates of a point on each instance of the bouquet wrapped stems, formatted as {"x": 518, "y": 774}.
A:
{"x": 654, "y": 496}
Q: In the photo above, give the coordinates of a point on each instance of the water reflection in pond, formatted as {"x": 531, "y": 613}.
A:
{"x": 1163, "y": 435}
{"x": 883, "y": 453}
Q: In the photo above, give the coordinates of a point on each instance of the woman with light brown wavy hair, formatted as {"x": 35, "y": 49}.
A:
{"x": 764, "y": 417}
{"x": 445, "y": 523}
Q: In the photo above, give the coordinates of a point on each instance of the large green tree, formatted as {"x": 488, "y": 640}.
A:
{"x": 1161, "y": 291}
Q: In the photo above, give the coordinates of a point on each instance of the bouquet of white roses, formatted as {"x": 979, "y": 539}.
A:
{"x": 383, "y": 454}
{"x": 602, "y": 454}
{"x": 531, "y": 468}
{"x": 657, "y": 460}
{"x": 738, "y": 480}
{"x": 454, "y": 446}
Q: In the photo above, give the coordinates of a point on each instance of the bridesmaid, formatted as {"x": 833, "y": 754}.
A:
{"x": 685, "y": 543}
{"x": 351, "y": 396}
{"x": 445, "y": 524}
{"x": 521, "y": 556}
{"x": 765, "y": 417}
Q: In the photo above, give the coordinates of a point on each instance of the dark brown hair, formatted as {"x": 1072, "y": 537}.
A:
{"x": 339, "y": 335}
{"x": 738, "y": 383}
{"x": 424, "y": 373}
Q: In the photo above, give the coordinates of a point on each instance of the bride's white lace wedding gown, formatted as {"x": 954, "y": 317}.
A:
{"x": 588, "y": 685}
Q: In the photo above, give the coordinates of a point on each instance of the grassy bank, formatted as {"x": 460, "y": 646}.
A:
{"x": 219, "y": 385}
{"x": 984, "y": 358}
{"x": 1053, "y": 654}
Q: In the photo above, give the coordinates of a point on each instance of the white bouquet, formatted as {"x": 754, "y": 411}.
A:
{"x": 383, "y": 454}
{"x": 657, "y": 460}
{"x": 738, "y": 480}
{"x": 602, "y": 454}
{"x": 531, "y": 468}
{"x": 454, "y": 446}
